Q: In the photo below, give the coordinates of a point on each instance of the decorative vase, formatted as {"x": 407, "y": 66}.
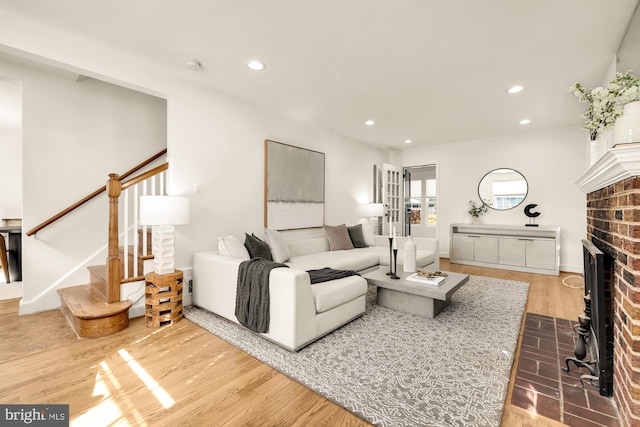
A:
{"x": 409, "y": 263}
{"x": 475, "y": 220}
{"x": 627, "y": 127}
{"x": 597, "y": 148}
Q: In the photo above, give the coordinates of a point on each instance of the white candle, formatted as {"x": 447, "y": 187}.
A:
{"x": 390, "y": 232}
{"x": 395, "y": 246}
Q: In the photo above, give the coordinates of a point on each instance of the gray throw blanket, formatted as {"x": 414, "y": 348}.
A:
{"x": 252, "y": 293}
{"x": 326, "y": 274}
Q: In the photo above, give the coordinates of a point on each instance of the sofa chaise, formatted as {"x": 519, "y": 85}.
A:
{"x": 300, "y": 312}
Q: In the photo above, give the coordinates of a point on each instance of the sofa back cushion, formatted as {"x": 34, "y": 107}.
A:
{"x": 312, "y": 245}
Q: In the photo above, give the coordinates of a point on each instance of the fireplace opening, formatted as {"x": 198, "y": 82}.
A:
{"x": 594, "y": 348}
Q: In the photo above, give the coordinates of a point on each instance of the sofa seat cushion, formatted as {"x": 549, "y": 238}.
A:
{"x": 423, "y": 257}
{"x": 331, "y": 294}
{"x": 352, "y": 259}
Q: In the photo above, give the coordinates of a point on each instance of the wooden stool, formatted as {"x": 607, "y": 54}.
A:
{"x": 163, "y": 298}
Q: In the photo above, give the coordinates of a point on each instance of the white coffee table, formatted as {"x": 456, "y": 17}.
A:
{"x": 412, "y": 297}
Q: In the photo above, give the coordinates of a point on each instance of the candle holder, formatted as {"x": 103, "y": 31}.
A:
{"x": 395, "y": 265}
{"x": 390, "y": 273}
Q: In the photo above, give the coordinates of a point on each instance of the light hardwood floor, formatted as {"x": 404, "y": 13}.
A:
{"x": 183, "y": 375}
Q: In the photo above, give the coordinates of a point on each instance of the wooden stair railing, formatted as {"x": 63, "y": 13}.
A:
{"x": 95, "y": 309}
{"x": 99, "y": 191}
{"x": 115, "y": 187}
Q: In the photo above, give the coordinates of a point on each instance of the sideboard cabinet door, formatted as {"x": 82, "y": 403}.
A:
{"x": 485, "y": 249}
{"x": 513, "y": 251}
{"x": 541, "y": 253}
{"x": 462, "y": 247}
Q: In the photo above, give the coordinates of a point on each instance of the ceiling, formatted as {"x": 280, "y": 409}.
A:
{"x": 430, "y": 71}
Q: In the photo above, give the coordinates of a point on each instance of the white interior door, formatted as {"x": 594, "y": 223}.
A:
{"x": 392, "y": 197}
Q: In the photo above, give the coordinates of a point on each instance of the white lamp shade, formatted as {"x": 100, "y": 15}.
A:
{"x": 373, "y": 209}
{"x": 164, "y": 210}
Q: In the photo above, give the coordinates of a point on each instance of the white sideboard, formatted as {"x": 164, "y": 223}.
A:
{"x": 512, "y": 247}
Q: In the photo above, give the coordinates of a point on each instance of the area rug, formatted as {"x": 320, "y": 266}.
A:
{"x": 398, "y": 369}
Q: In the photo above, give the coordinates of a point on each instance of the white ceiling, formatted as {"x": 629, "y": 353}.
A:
{"x": 432, "y": 71}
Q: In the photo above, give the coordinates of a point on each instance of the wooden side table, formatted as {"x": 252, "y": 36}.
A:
{"x": 163, "y": 298}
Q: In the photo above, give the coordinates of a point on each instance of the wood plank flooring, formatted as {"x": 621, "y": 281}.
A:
{"x": 183, "y": 375}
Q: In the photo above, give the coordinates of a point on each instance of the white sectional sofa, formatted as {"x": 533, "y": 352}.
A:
{"x": 300, "y": 312}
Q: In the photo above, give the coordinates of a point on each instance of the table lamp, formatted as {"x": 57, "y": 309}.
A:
{"x": 163, "y": 213}
{"x": 373, "y": 211}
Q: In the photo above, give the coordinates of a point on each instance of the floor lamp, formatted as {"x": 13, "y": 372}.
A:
{"x": 163, "y": 213}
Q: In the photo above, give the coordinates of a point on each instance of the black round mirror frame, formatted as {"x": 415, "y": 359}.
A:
{"x": 487, "y": 181}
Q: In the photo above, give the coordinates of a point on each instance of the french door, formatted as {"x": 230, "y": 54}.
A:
{"x": 392, "y": 197}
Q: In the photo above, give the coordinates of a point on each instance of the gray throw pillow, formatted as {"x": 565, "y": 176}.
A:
{"x": 257, "y": 248}
{"x": 338, "y": 237}
{"x": 357, "y": 237}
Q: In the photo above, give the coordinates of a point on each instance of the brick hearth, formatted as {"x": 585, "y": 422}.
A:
{"x": 541, "y": 386}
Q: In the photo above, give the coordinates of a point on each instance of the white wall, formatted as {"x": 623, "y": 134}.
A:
{"x": 550, "y": 160}
{"x": 74, "y": 135}
{"x": 218, "y": 142}
{"x": 11, "y": 148}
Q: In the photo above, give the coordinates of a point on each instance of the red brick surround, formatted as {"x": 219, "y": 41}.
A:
{"x": 613, "y": 225}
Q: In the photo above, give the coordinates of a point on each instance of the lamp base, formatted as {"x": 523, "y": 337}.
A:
{"x": 163, "y": 247}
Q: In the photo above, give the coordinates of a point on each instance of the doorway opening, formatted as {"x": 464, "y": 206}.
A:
{"x": 420, "y": 201}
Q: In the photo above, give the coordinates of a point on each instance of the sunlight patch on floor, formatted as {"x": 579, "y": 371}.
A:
{"x": 160, "y": 393}
{"x": 104, "y": 414}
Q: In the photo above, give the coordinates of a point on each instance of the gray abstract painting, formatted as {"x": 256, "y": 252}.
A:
{"x": 294, "y": 187}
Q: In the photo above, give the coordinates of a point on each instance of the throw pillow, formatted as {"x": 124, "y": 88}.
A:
{"x": 338, "y": 237}
{"x": 231, "y": 246}
{"x": 367, "y": 232}
{"x": 357, "y": 238}
{"x": 257, "y": 248}
{"x": 279, "y": 248}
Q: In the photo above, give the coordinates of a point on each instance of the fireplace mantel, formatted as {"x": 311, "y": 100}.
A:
{"x": 618, "y": 163}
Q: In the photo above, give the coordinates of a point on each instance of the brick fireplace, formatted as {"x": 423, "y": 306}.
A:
{"x": 612, "y": 185}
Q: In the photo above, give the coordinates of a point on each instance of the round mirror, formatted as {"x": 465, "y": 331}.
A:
{"x": 503, "y": 189}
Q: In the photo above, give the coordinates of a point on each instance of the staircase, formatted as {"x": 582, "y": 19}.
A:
{"x": 96, "y": 309}
{"x": 86, "y": 307}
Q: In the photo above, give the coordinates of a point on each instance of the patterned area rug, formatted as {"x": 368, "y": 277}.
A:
{"x": 398, "y": 369}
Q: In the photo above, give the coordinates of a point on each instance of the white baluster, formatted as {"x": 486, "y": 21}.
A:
{"x": 125, "y": 240}
{"x": 136, "y": 238}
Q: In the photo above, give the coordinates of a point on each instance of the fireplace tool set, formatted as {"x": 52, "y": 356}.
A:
{"x": 580, "y": 350}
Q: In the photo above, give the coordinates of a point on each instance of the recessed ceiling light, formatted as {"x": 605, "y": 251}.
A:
{"x": 515, "y": 89}
{"x": 192, "y": 64}
{"x": 256, "y": 65}
{"x": 525, "y": 121}
{"x": 369, "y": 123}
{"x": 408, "y": 141}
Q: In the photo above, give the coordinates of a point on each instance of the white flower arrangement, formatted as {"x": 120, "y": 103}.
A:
{"x": 605, "y": 104}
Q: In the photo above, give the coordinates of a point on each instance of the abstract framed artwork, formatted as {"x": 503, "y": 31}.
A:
{"x": 293, "y": 187}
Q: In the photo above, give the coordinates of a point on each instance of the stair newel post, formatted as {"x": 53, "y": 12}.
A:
{"x": 114, "y": 188}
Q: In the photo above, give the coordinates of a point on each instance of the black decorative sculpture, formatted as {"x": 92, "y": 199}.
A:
{"x": 532, "y": 215}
